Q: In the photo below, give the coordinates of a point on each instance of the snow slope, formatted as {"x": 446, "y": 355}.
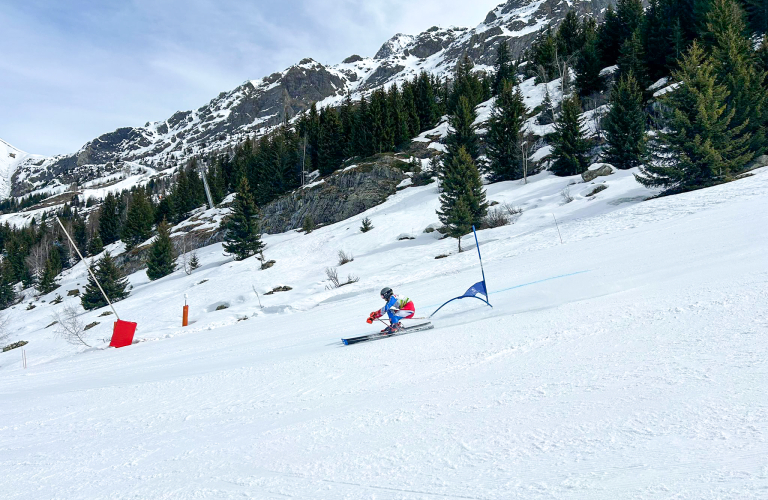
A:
{"x": 627, "y": 362}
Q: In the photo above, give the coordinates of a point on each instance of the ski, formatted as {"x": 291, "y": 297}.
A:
{"x": 377, "y": 336}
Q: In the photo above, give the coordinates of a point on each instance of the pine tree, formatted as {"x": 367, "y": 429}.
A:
{"x": 570, "y": 147}
{"x": 138, "y": 223}
{"x": 678, "y": 44}
{"x": 547, "y": 115}
{"x": 462, "y": 133}
{"x": 216, "y": 181}
{"x": 347, "y": 118}
{"x": 331, "y": 152}
{"x": 165, "y": 209}
{"x": 109, "y": 220}
{"x": 308, "y": 225}
{"x": 738, "y": 70}
{"x": 503, "y": 67}
{"x": 632, "y": 59}
{"x": 112, "y": 281}
{"x": 625, "y": 125}
{"x": 630, "y": 14}
{"x": 697, "y": 146}
{"x": 96, "y": 246}
{"x": 617, "y": 27}
{"x": 654, "y": 35}
{"x": 609, "y": 36}
{"x": 80, "y": 233}
{"x": 588, "y": 67}
{"x": 758, "y": 15}
{"x": 411, "y": 113}
{"x": 362, "y": 134}
{"x": 426, "y": 102}
{"x": 183, "y": 196}
{"x": 58, "y": 257}
{"x": 313, "y": 138}
{"x": 570, "y": 37}
{"x": 504, "y": 134}
{"x": 543, "y": 56}
{"x": 762, "y": 59}
{"x": 194, "y": 262}
{"x": 7, "y": 280}
{"x": 465, "y": 84}
{"x": 243, "y": 236}
{"x": 162, "y": 258}
{"x": 701, "y": 9}
{"x": 366, "y": 226}
{"x": 381, "y": 127}
{"x": 462, "y": 201}
{"x": 47, "y": 282}
{"x": 399, "y": 119}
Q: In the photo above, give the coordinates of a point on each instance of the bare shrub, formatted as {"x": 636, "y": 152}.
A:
{"x": 496, "y": 218}
{"x": 566, "y": 194}
{"x": 512, "y": 210}
{"x": 333, "y": 277}
{"x": 344, "y": 257}
{"x": 189, "y": 260}
{"x": 38, "y": 256}
{"x": 504, "y": 215}
{"x": 69, "y": 326}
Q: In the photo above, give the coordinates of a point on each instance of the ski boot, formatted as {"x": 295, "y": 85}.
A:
{"x": 394, "y": 327}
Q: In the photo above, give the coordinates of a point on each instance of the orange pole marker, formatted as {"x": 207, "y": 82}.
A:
{"x": 185, "y": 318}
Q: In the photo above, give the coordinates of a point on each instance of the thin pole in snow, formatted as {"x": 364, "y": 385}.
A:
{"x": 558, "y": 229}
{"x": 88, "y": 268}
{"x": 257, "y": 296}
{"x": 477, "y": 244}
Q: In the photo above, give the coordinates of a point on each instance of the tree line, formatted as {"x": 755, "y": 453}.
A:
{"x": 707, "y": 126}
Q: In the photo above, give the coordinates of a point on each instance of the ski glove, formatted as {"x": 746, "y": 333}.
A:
{"x": 374, "y": 315}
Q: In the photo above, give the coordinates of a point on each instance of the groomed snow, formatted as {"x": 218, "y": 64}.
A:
{"x": 627, "y": 362}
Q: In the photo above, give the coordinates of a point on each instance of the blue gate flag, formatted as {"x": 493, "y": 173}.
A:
{"x": 477, "y": 288}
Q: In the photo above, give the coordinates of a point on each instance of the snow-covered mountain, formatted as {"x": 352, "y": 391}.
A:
{"x": 11, "y": 158}
{"x": 256, "y": 105}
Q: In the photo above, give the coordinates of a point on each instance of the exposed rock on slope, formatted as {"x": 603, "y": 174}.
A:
{"x": 337, "y": 197}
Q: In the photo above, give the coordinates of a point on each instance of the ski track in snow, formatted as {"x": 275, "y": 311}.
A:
{"x": 644, "y": 377}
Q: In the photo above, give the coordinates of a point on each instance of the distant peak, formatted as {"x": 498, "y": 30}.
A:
{"x": 394, "y": 45}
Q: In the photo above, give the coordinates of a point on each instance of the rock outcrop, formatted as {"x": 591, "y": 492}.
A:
{"x": 337, "y": 197}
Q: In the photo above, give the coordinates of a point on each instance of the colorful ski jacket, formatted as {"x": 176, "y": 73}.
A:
{"x": 397, "y": 304}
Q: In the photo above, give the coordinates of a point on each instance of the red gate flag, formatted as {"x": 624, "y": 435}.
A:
{"x": 122, "y": 335}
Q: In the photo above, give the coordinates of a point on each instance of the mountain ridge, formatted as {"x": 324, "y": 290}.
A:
{"x": 256, "y": 106}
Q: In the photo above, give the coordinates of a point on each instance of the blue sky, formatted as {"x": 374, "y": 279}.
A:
{"x": 74, "y": 70}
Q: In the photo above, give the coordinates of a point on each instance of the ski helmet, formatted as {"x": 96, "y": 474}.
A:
{"x": 386, "y": 293}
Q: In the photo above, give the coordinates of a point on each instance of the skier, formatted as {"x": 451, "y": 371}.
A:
{"x": 396, "y": 308}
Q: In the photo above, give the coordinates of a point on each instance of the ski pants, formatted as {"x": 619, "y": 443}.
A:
{"x": 395, "y": 315}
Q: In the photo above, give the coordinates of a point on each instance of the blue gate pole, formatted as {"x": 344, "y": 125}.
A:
{"x": 477, "y": 244}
